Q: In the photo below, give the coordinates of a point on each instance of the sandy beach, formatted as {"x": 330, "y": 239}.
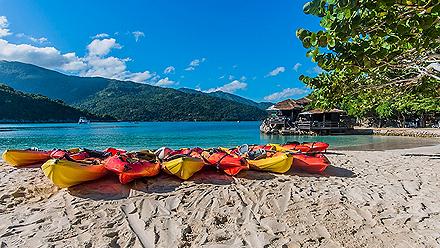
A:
{"x": 366, "y": 199}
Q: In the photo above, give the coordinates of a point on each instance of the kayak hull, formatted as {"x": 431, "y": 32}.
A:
{"x": 315, "y": 163}
{"x": 184, "y": 167}
{"x": 25, "y": 157}
{"x": 308, "y": 147}
{"x": 64, "y": 173}
{"x": 231, "y": 164}
{"x": 128, "y": 172}
{"x": 279, "y": 163}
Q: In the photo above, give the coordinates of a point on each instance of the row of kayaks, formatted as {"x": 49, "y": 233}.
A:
{"x": 67, "y": 168}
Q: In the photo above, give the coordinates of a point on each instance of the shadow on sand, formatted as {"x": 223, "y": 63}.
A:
{"x": 109, "y": 188}
{"x": 331, "y": 171}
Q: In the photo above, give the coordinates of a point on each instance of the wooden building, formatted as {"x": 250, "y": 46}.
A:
{"x": 284, "y": 113}
{"x": 324, "y": 122}
{"x": 289, "y": 117}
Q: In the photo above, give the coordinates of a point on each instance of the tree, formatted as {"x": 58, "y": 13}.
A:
{"x": 376, "y": 55}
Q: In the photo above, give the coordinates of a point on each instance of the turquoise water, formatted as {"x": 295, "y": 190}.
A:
{"x": 133, "y": 136}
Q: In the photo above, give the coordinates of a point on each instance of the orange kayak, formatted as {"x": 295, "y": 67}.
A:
{"x": 115, "y": 151}
{"x": 311, "y": 163}
{"x": 129, "y": 169}
{"x": 77, "y": 155}
{"x": 231, "y": 164}
{"x": 25, "y": 157}
{"x": 307, "y": 146}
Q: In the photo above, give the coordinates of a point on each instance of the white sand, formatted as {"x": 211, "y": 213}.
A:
{"x": 369, "y": 199}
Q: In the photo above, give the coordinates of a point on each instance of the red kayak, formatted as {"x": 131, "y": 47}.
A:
{"x": 128, "y": 169}
{"x": 307, "y": 146}
{"x": 79, "y": 154}
{"x": 59, "y": 154}
{"x": 311, "y": 163}
{"x": 231, "y": 164}
{"x": 115, "y": 151}
{"x": 190, "y": 152}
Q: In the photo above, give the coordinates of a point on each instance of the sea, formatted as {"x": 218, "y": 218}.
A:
{"x": 153, "y": 135}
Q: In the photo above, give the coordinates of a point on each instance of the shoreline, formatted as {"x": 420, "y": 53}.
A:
{"x": 391, "y": 145}
{"x": 366, "y": 198}
{"x": 404, "y": 132}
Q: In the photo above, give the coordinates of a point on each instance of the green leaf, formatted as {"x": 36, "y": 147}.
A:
{"x": 313, "y": 39}
{"x": 331, "y": 42}
{"x": 322, "y": 40}
{"x": 307, "y": 7}
{"x": 306, "y": 42}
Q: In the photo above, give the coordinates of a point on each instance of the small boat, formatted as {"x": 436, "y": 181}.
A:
{"x": 79, "y": 154}
{"x": 230, "y": 163}
{"x": 66, "y": 173}
{"x": 183, "y": 163}
{"x": 278, "y": 162}
{"x": 131, "y": 166}
{"x": 309, "y": 147}
{"x": 183, "y": 167}
{"x": 83, "y": 120}
{"x": 75, "y": 154}
{"x": 311, "y": 163}
{"x": 115, "y": 151}
{"x": 25, "y": 157}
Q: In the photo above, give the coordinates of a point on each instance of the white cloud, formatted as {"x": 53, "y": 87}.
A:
{"x": 195, "y": 63}
{"x": 48, "y": 57}
{"x": 231, "y": 77}
{"x": 297, "y": 66}
{"x": 33, "y": 39}
{"x": 230, "y": 87}
{"x": 243, "y": 78}
{"x": 286, "y": 93}
{"x": 169, "y": 69}
{"x": 110, "y": 67}
{"x": 138, "y": 35}
{"x": 95, "y": 63}
{"x": 276, "y": 71}
{"x": 221, "y": 77}
{"x": 102, "y": 47}
{"x": 4, "y": 31}
{"x": 100, "y": 36}
{"x": 73, "y": 63}
{"x": 38, "y": 40}
{"x": 139, "y": 77}
{"x": 165, "y": 82}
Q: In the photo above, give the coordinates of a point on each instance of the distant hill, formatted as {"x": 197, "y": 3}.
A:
{"x": 16, "y": 106}
{"x": 122, "y": 99}
{"x": 136, "y": 102}
{"x": 231, "y": 97}
{"x": 33, "y": 79}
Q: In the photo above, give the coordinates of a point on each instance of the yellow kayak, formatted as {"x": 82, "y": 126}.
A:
{"x": 280, "y": 148}
{"x": 25, "y": 157}
{"x": 279, "y": 163}
{"x": 183, "y": 167}
{"x": 64, "y": 173}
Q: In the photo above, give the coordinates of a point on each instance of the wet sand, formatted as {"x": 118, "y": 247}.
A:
{"x": 366, "y": 199}
{"x": 394, "y": 143}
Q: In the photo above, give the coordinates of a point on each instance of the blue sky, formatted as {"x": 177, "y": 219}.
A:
{"x": 248, "y": 48}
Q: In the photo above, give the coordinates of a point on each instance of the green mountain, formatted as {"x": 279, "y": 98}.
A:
{"x": 122, "y": 99}
{"x": 231, "y": 97}
{"x": 33, "y": 79}
{"x": 16, "y": 106}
